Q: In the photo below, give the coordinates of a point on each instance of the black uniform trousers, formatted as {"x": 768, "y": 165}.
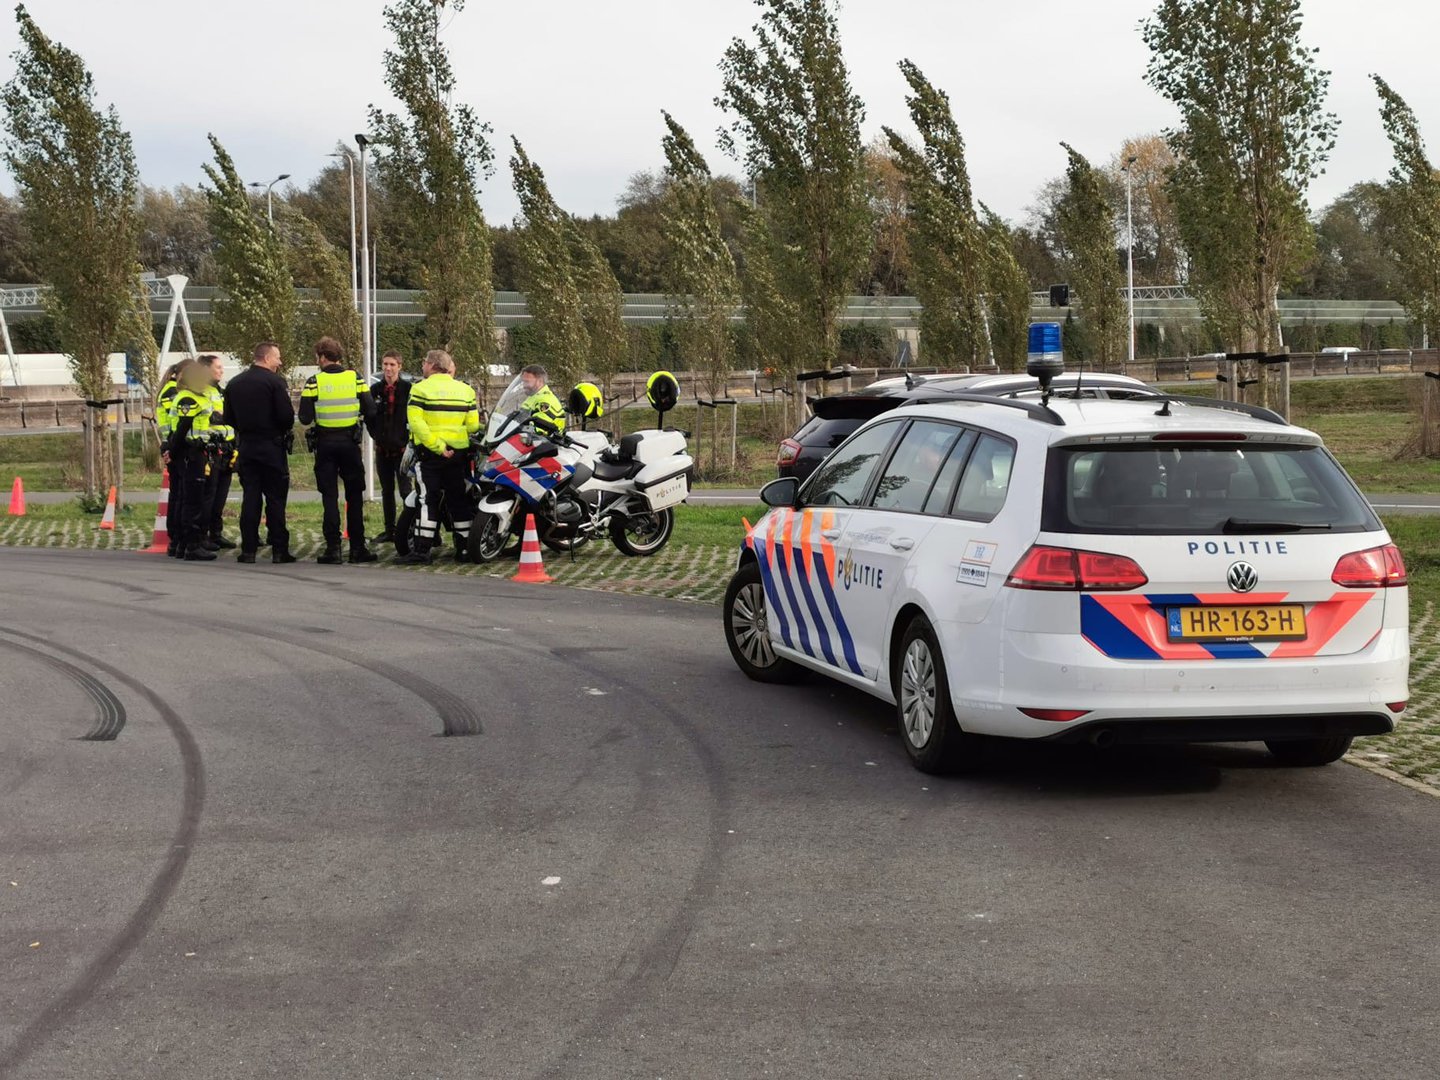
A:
{"x": 442, "y": 488}
{"x": 338, "y": 460}
{"x": 175, "y": 508}
{"x": 192, "y": 462}
{"x": 217, "y": 493}
{"x": 264, "y": 479}
{"x": 387, "y": 467}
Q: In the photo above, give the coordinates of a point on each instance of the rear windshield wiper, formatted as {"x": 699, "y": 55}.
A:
{"x": 1249, "y": 525}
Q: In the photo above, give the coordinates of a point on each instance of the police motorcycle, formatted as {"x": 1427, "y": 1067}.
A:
{"x": 577, "y": 485}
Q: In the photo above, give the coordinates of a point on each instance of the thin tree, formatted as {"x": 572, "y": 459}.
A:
{"x": 325, "y": 303}
{"x": 75, "y": 174}
{"x": 1254, "y": 133}
{"x": 1007, "y": 288}
{"x": 602, "y": 305}
{"x": 430, "y": 161}
{"x": 1412, "y": 200}
{"x": 546, "y": 272}
{"x": 258, "y": 301}
{"x": 701, "y": 284}
{"x": 947, "y": 249}
{"x": 774, "y": 324}
{"x": 1086, "y": 223}
{"x": 797, "y": 128}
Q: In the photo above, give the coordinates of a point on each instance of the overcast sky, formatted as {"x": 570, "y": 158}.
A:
{"x": 582, "y": 82}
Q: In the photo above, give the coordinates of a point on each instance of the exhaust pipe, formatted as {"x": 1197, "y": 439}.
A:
{"x": 1102, "y": 738}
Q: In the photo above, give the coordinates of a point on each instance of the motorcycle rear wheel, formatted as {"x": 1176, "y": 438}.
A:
{"x": 642, "y": 535}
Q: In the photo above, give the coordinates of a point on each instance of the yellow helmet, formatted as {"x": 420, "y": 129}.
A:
{"x": 662, "y": 391}
{"x": 586, "y": 400}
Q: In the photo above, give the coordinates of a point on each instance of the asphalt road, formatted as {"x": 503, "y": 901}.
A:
{"x": 234, "y": 844}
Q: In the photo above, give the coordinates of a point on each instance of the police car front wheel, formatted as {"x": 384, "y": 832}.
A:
{"x": 747, "y": 629}
{"x": 932, "y": 736}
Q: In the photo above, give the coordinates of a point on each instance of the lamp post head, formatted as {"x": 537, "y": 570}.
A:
{"x": 362, "y": 141}
{"x": 282, "y": 176}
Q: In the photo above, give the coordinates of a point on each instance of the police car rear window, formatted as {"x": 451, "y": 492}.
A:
{"x": 1200, "y": 488}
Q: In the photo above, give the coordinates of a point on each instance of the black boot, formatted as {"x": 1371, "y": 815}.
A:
{"x": 278, "y": 555}
{"x": 419, "y": 554}
{"x": 199, "y": 553}
{"x": 330, "y": 557}
{"x": 361, "y": 555}
{"x": 245, "y": 557}
{"x": 221, "y": 542}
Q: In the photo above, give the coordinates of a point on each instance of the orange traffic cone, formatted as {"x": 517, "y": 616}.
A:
{"x": 108, "y": 520}
{"x": 345, "y": 522}
{"x": 532, "y": 567}
{"x": 161, "y": 541}
{"x": 17, "y": 498}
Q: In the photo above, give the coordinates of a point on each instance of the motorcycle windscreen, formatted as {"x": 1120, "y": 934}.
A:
{"x": 510, "y": 401}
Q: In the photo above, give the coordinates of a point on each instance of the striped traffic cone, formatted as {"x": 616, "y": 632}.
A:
{"x": 161, "y": 543}
{"x": 532, "y": 567}
{"x": 108, "y": 520}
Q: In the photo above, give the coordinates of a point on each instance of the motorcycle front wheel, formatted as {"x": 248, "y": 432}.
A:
{"x": 642, "y": 535}
{"x": 406, "y": 526}
{"x": 487, "y": 542}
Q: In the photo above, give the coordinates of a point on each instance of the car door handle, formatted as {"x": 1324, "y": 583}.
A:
{"x": 830, "y": 534}
{"x": 902, "y": 543}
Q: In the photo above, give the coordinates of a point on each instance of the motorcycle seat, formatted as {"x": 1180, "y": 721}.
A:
{"x": 608, "y": 470}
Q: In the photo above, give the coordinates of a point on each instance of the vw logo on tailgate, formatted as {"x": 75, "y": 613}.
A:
{"x": 1242, "y": 577}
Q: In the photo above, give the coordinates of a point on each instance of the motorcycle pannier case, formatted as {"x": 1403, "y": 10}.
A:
{"x": 667, "y": 483}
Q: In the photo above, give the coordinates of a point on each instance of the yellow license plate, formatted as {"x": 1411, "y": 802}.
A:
{"x": 1219, "y": 622}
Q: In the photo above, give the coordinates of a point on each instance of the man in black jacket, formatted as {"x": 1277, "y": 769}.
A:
{"x": 391, "y": 434}
{"x": 258, "y": 407}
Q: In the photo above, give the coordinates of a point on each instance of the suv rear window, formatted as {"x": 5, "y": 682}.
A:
{"x": 1200, "y": 488}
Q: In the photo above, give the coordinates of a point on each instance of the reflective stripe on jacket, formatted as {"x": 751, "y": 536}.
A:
{"x": 442, "y": 412}
{"x": 337, "y": 398}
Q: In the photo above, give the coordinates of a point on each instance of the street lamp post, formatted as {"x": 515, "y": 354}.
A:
{"x": 270, "y": 206}
{"x": 1129, "y": 256}
{"x": 354, "y": 265}
{"x": 367, "y": 299}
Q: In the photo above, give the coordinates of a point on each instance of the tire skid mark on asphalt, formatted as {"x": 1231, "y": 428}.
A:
{"x": 111, "y": 720}
{"x": 655, "y": 962}
{"x": 456, "y": 717}
{"x": 192, "y": 803}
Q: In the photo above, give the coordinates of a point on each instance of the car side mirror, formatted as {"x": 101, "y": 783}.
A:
{"x": 780, "y": 492}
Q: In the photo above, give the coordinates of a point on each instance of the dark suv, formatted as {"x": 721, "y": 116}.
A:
{"x": 836, "y": 417}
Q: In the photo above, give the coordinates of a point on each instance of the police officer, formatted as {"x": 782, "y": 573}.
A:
{"x": 194, "y": 445}
{"x": 542, "y": 402}
{"x": 257, "y": 404}
{"x": 443, "y": 414}
{"x": 165, "y": 427}
{"x": 217, "y": 486}
{"x": 335, "y": 403}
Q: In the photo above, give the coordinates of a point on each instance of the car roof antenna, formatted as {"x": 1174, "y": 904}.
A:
{"x": 909, "y": 381}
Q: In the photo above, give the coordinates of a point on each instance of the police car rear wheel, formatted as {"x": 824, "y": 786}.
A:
{"x": 932, "y": 737}
{"x": 747, "y": 630}
{"x": 1320, "y": 751}
{"x": 643, "y": 534}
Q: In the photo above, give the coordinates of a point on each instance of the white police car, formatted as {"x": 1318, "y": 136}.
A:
{"x": 1157, "y": 570}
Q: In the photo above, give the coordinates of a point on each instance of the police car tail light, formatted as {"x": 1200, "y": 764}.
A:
{"x": 789, "y": 451}
{"x": 1076, "y": 571}
{"x": 1374, "y": 568}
